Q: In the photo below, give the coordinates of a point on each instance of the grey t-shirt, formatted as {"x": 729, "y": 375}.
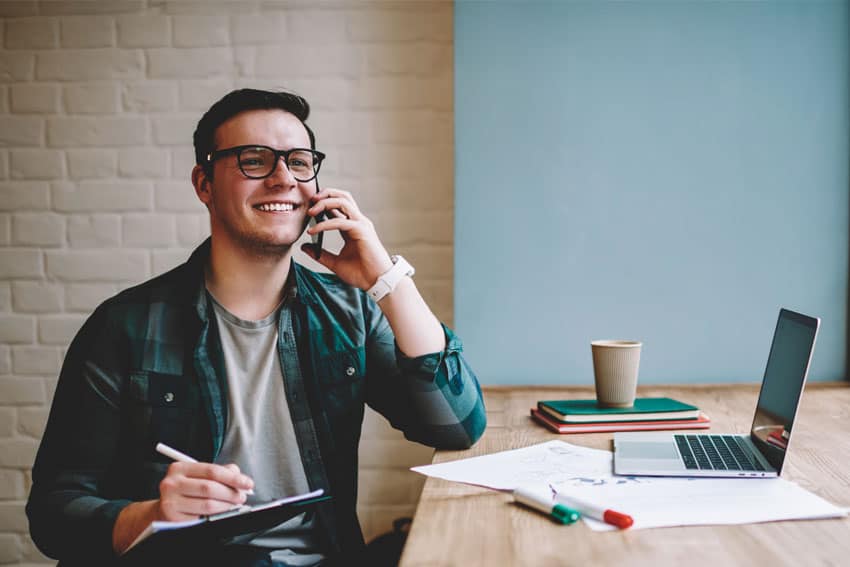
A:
{"x": 260, "y": 437}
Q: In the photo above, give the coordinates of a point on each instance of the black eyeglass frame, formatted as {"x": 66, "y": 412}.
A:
{"x": 237, "y": 151}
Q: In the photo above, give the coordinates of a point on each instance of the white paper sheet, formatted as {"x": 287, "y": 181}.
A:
{"x": 652, "y": 502}
{"x": 660, "y": 502}
{"x": 553, "y": 462}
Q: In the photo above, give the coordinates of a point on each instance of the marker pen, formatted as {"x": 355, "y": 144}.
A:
{"x": 545, "y": 504}
{"x": 618, "y": 519}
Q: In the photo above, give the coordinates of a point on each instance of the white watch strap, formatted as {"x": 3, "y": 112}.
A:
{"x": 388, "y": 281}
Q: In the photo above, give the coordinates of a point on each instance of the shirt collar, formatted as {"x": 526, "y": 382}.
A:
{"x": 296, "y": 288}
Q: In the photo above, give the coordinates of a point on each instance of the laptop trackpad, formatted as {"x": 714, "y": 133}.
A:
{"x": 648, "y": 450}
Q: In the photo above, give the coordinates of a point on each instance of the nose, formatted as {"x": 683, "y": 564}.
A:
{"x": 281, "y": 174}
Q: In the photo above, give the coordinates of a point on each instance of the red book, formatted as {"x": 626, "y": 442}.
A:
{"x": 778, "y": 439}
{"x": 701, "y": 422}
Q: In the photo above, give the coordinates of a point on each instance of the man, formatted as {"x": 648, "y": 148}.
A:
{"x": 254, "y": 365}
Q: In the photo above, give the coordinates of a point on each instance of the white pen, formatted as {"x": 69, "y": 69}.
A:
{"x": 173, "y": 453}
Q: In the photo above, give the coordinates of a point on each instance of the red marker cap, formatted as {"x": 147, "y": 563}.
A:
{"x": 622, "y": 521}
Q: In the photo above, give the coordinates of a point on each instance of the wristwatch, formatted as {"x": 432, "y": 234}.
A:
{"x": 389, "y": 280}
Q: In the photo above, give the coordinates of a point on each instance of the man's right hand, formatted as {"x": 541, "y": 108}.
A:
{"x": 188, "y": 491}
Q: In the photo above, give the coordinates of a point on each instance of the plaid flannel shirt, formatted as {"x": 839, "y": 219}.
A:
{"x": 147, "y": 366}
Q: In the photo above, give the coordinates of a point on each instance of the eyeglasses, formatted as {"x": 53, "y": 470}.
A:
{"x": 259, "y": 162}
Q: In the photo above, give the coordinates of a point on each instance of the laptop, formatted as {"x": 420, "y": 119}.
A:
{"x": 759, "y": 454}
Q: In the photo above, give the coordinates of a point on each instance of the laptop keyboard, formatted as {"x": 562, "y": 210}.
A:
{"x": 716, "y": 452}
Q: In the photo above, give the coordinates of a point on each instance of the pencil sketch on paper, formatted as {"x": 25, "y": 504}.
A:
{"x": 553, "y": 462}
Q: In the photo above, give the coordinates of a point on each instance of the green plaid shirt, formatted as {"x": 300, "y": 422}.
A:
{"x": 147, "y": 366}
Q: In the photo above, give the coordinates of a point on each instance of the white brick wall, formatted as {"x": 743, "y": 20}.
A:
{"x": 87, "y": 31}
{"x": 92, "y": 98}
{"x": 91, "y": 163}
{"x": 98, "y": 101}
{"x": 30, "y": 163}
{"x": 17, "y": 131}
{"x": 33, "y": 98}
{"x": 23, "y": 196}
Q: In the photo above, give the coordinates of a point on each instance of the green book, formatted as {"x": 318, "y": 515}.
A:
{"x": 645, "y": 409}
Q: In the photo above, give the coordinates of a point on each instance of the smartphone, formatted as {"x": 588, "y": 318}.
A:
{"x": 318, "y": 238}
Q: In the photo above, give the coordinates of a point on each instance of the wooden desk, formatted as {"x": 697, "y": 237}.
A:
{"x": 456, "y": 524}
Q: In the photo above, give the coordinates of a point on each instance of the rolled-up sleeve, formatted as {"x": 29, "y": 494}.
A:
{"x": 434, "y": 399}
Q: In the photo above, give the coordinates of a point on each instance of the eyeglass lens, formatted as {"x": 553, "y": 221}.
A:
{"x": 260, "y": 162}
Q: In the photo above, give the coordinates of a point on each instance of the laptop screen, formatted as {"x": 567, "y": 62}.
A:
{"x": 784, "y": 377}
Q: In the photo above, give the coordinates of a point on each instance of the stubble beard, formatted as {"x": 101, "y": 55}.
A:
{"x": 263, "y": 245}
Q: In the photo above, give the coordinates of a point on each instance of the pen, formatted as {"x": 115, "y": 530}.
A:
{"x": 538, "y": 501}
{"x": 618, "y": 519}
{"x": 173, "y": 453}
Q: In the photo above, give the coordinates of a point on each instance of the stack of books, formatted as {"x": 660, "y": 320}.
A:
{"x": 585, "y": 416}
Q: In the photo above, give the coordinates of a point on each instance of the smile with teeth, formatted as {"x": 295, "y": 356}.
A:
{"x": 274, "y": 207}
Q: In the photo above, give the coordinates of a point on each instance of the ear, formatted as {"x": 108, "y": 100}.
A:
{"x": 202, "y": 185}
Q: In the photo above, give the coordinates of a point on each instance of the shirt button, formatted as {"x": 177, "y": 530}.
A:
{"x": 169, "y": 397}
{"x": 349, "y": 371}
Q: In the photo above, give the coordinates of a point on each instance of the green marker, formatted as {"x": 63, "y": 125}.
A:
{"x": 546, "y": 504}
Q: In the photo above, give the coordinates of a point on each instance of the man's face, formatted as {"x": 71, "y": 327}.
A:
{"x": 264, "y": 216}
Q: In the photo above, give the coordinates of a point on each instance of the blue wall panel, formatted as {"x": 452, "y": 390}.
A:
{"x": 668, "y": 172}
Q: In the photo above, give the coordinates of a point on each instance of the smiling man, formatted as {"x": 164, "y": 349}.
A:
{"x": 254, "y": 365}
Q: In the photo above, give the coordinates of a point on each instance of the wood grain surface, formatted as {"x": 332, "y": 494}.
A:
{"x": 457, "y": 524}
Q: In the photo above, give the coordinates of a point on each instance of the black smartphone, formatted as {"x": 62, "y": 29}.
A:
{"x": 318, "y": 238}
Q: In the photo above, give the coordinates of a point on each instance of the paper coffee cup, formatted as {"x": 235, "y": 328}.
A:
{"x": 615, "y": 372}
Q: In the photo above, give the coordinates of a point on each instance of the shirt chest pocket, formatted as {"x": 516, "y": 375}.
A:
{"x": 164, "y": 408}
{"x": 341, "y": 375}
